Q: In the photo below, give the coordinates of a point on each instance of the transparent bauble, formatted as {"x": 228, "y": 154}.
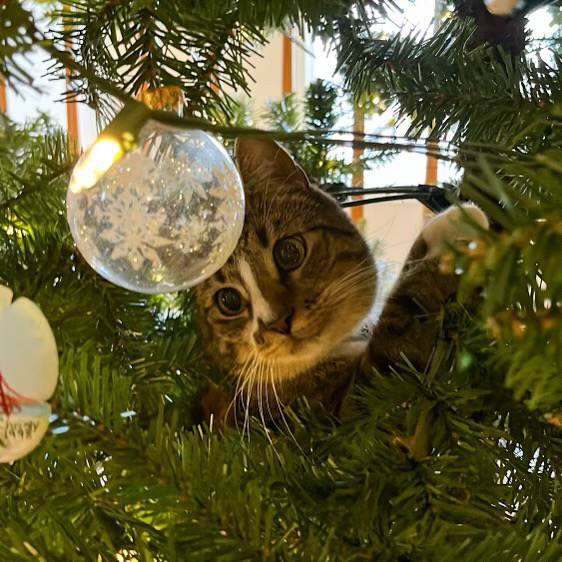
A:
{"x": 164, "y": 217}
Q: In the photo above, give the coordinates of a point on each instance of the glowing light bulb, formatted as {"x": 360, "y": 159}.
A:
{"x": 93, "y": 165}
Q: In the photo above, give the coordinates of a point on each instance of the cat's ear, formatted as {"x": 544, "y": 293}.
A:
{"x": 262, "y": 160}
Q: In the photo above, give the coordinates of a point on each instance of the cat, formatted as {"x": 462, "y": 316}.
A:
{"x": 290, "y": 313}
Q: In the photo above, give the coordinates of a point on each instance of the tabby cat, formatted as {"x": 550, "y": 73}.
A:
{"x": 289, "y": 314}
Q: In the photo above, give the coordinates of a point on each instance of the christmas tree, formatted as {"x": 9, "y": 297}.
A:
{"x": 460, "y": 461}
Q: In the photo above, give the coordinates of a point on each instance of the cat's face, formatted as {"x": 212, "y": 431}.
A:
{"x": 300, "y": 281}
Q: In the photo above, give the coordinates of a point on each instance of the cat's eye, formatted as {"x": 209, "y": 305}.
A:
{"x": 289, "y": 253}
{"x": 230, "y": 301}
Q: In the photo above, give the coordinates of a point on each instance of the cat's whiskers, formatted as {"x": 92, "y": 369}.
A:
{"x": 364, "y": 272}
{"x": 251, "y": 379}
{"x": 263, "y": 384}
{"x": 234, "y": 401}
{"x": 257, "y": 375}
{"x": 356, "y": 289}
{"x": 241, "y": 381}
{"x": 248, "y": 378}
{"x": 281, "y": 407}
{"x": 364, "y": 266}
{"x": 360, "y": 268}
{"x": 357, "y": 278}
{"x": 269, "y": 384}
{"x": 253, "y": 376}
{"x": 259, "y": 371}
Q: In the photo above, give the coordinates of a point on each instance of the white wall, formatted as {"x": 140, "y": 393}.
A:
{"x": 268, "y": 74}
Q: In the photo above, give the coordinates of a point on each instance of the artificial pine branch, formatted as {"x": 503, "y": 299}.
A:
{"x": 467, "y": 93}
{"x": 13, "y": 19}
{"x": 127, "y": 474}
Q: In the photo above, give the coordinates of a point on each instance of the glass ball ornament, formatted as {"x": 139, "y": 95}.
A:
{"x": 163, "y": 217}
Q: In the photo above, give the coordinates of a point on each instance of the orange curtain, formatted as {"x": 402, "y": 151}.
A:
{"x": 430, "y": 173}
{"x": 358, "y": 176}
{"x": 71, "y": 111}
{"x": 3, "y": 100}
{"x": 287, "y": 65}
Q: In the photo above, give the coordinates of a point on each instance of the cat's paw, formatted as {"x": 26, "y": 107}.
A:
{"x": 215, "y": 408}
{"x": 452, "y": 228}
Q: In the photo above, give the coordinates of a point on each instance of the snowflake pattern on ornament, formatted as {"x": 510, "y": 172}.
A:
{"x": 226, "y": 179}
{"x": 218, "y": 245}
{"x": 225, "y": 192}
{"x": 196, "y": 178}
{"x": 192, "y": 175}
{"x": 135, "y": 223}
{"x": 190, "y": 234}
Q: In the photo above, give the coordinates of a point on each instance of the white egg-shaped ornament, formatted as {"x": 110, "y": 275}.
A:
{"x": 29, "y": 361}
{"x": 163, "y": 216}
{"x": 29, "y": 370}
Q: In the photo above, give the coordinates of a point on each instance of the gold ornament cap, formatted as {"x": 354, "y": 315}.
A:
{"x": 166, "y": 98}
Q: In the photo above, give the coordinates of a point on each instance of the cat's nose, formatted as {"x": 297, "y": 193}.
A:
{"x": 283, "y": 324}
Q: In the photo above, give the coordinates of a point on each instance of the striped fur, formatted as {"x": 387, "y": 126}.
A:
{"x": 329, "y": 296}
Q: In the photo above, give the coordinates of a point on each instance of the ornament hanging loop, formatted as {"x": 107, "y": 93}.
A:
{"x": 7, "y": 402}
{"x": 11, "y": 400}
{"x": 165, "y": 98}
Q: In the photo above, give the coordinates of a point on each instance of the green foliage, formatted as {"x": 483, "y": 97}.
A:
{"x": 459, "y": 462}
{"x": 318, "y": 111}
{"x": 470, "y": 94}
{"x": 130, "y": 47}
{"x": 32, "y": 161}
{"x": 521, "y": 270}
{"x": 323, "y": 106}
{"x": 16, "y": 38}
{"x": 119, "y": 352}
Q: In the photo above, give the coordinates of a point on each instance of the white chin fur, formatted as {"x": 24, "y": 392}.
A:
{"x": 356, "y": 343}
